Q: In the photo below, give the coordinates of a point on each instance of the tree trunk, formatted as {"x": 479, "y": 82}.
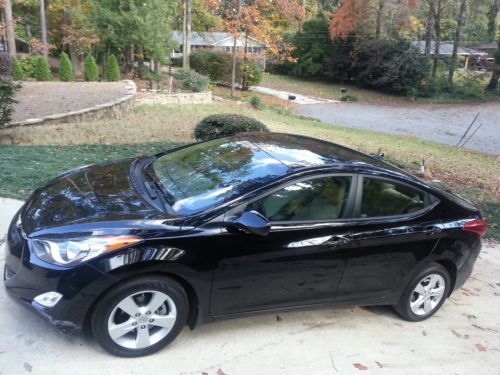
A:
{"x": 9, "y": 28}
{"x": 435, "y": 8}
{"x": 43, "y": 23}
{"x": 233, "y": 68}
{"x": 186, "y": 33}
{"x": 456, "y": 40}
{"x": 380, "y": 13}
{"x": 73, "y": 54}
{"x": 428, "y": 32}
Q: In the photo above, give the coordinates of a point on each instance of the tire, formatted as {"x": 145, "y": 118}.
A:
{"x": 425, "y": 293}
{"x": 140, "y": 316}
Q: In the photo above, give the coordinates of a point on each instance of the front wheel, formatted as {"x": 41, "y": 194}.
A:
{"x": 425, "y": 293}
{"x": 140, "y": 316}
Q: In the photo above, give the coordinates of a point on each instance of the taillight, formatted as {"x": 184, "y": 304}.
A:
{"x": 476, "y": 226}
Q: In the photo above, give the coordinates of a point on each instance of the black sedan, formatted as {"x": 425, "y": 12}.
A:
{"x": 136, "y": 249}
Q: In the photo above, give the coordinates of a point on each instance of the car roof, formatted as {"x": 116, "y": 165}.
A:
{"x": 297, "y": 151}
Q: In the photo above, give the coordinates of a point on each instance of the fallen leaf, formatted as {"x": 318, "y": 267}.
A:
{"x": 424, "y": 332}
{"x": 28, "y": 367}
{"x": 317, "y": 325}
{"x": 480, "y": 347}
{"x": 278, "y": 318}
{"x": 360, "y": 367}
{"x": 379, "y": 364}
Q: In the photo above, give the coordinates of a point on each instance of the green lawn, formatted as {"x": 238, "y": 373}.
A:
{"x": 330, "y": 90}
{"x": 154, "y": 128}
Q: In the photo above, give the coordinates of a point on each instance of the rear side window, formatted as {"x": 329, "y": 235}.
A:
{"x": 322, "y": 198}
{"x": 387, "y": 198}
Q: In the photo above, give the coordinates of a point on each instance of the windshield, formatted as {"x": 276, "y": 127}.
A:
{"x": 200, "y": 176}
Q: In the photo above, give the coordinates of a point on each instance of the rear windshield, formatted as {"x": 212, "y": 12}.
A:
{"x": 201, "y": 176}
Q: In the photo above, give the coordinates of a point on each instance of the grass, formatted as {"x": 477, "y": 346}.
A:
{"x": 152, "y": 128}
{"x": 331, "y": 90}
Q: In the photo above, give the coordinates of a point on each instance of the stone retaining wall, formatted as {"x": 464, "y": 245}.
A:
{"x": 111, "y": 110}
{"x": 184, "y": 98}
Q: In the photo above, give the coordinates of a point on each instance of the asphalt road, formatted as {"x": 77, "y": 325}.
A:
{"x": 439, "y": 123}
{"x": 462, "y": 338}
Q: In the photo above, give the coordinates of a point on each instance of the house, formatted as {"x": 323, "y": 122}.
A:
{"x": 446, "y": 50}
{"x": 222, "y": 41}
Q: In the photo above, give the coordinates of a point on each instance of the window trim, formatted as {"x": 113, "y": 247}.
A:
{"x": 349, "y": 209}
{"x": 430, "y": 201}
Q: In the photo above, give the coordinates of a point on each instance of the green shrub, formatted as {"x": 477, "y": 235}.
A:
{"x": 91, "y": 71}
{"x": 193, "y": 81}
{"x": 15, "y": 70}
{"x": 112, "y": 69}
{"x": 28, "y": 65}
{"x": 256, "y": 102}
{"x": 65, "y": 68}
{"x": 392, "y": 66}
{"x": 251, "y": 74}
{"x": 7, "y": 94}
{"x": 42, "y": 70}
{"x": 225, "y": 125}
{"x": 348, "y": 98}
{"x": 214, "y": 64}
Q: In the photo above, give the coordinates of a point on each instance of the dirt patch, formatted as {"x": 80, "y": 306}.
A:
{"x": 39, "y": 99}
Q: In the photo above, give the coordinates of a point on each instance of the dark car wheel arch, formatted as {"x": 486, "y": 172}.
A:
{"x": 194, "y": 313}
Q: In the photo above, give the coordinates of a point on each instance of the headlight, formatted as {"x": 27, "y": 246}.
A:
{"x": 70, "y": 252}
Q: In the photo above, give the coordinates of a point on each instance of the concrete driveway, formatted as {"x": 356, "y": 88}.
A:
{"x": 462, "y": 338}
{"x": 438, "y": 123}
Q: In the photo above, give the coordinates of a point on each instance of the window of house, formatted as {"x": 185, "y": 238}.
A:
{"x": 318, "y": 199}
{"x": 386, "y": 198}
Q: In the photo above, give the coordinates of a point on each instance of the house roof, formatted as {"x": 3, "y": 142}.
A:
{"x": 208, "y": 38}
{"x": 447, "y": 49}
{"x": 492, "y": 45}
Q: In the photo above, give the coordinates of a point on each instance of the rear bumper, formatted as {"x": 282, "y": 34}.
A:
{"x": 464, "y": 272}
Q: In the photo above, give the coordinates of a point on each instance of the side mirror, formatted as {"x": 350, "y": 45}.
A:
{"x": 250, "y": 222}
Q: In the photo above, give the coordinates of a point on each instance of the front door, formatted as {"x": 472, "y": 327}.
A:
{"x": 300, "y": 261}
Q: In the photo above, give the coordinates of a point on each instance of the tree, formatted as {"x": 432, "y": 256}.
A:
{"x": 43, "y": 23}
{"x": 456, "y": 41}
{"x": 436, "y": 7}
{"x": 65, "y": 68}
{"x": 42, "y": 70}
{"x": 380, "y": 13}
{"x": 347, "y": 18}
{"x": 495, "y": 74}
{"x": 91, "y": 70}
{"x": 9, "y": 28}
{"x": 186, "y": 33}
{"x": 112, "y": 69}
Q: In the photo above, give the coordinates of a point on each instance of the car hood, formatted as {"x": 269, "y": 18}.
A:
{"x": 92, "y": 194}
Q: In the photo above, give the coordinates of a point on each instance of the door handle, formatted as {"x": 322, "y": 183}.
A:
{"x": 337, "y": 241}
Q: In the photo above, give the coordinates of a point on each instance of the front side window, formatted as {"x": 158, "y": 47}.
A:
{"x": 386, "y": 198}
{"x": 318, "y": 199}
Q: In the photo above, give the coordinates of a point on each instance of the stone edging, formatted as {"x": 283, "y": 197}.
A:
{"x": 109, "y": 110}
{"x": 181, "y": 98}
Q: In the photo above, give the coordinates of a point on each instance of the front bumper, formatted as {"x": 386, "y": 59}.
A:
{"x": 26, "y": 277}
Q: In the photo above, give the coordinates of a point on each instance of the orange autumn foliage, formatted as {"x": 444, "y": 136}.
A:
{"x": 347, "y": 18}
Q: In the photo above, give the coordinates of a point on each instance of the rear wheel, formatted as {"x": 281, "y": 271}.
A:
{"x": 140, "y": 316}
{"x": 425, "y": 293}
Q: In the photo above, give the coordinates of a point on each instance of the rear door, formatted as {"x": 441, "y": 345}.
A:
{"x": 394, "y": 227}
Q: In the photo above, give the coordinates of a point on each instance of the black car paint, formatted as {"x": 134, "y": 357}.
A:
{"x": 227, "y": 272}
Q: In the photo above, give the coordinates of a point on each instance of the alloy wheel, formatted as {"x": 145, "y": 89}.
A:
{"x": 142, "y": 319}
{"x": 427, "y": 294}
